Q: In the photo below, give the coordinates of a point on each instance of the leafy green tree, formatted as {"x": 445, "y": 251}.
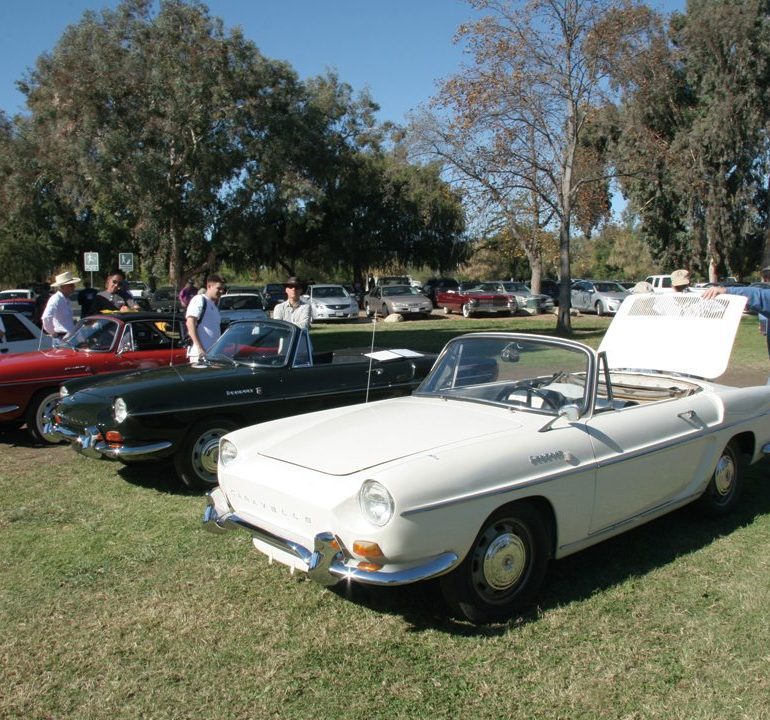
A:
{"x": 693, "y": 141}
{"x": 147, "y": 122}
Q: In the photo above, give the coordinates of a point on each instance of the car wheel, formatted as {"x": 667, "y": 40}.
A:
{"x": 196, "y": 460}
{"x": 39, "y": 411}
{"x": 724, "y": 489}
{"x": 368, "y": 310}
{"x": 446, "y": 309}
{"x": 467, "y": 312}
{"x": 384, "y": 310}
{"x": 599, "y": 308}
{"x": 504, "y": 568}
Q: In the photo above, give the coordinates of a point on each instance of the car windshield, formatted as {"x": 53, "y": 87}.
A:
{"x": 509, "y": 370}
{"x": 328, "y": 291}
{"x": 515, "y": 287}
{"x": 95, "y": 333}
{"x": 14, "y": 294}
{"x": 392, "y": 290}
{"x": 605, "y": 287}
{"x": 255, "y": 343}
{"x": 240, "y": 302}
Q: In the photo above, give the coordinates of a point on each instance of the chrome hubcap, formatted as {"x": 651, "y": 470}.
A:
{"x": 206, "y": 452}
{"x": 724, "y": 475}
{"x": 45, "y": 415}
{"x": 504, "y": 561}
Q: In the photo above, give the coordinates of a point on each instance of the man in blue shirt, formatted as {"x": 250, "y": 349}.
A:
{"x": 758, "y": 300}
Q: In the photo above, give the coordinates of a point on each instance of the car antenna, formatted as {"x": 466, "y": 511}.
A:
{"x": 371, "y": 352}
{"x": 174, "y": 297}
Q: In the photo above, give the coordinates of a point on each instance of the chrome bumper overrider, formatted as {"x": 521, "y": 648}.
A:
{"x": 326, "y": 563}
{"x": 90, "y": 443}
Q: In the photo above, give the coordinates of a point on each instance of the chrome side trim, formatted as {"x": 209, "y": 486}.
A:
{"x": 8, "y": 408}
{"x": 327, "y": 564}
{"x": 518, "y": 485}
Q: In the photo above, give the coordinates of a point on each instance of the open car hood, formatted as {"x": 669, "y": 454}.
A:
{"x": 357, "y": 437}
{"x": 674, "y": 332}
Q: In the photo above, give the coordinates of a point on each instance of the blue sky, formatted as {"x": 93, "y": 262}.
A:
{"x": 398, "y": 49}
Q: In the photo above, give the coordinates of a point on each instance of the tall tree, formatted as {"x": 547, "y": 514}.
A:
{"x": 518, "y": 113}
{"x": 694, "y": 140}
{"x": 148, "y": 120}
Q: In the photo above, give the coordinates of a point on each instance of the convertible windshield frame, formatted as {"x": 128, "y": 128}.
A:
{"x": 258, "y": 343}
{"x": 516, "y": 371}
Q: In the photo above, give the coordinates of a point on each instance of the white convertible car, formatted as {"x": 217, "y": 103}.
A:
{"x": 516, "y": 449}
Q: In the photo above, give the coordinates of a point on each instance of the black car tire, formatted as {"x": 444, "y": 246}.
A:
{"x": 195, "y": 462}
{"x": 40, "y": 407}
{"x": 467, "y": 311}
{"x": 600, "y": 308}
{"x": 724, "y": 488}
{"x": 368, "y": 310}
{"x": 504, "y": 568}
{"x": 384, "y": 310}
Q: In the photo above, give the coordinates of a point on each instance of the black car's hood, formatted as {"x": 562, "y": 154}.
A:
{"x": 160, "y": 387}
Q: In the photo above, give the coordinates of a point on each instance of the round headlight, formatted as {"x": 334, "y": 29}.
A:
{"x": 63, "y": 392}
{"x": 119, "y": 410}
{"x": 227, "y": 452}
{"x": 376, "y": 502}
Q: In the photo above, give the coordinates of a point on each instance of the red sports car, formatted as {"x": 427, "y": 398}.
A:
{"x": 101, "y": 344}
{"x": 473, "y": 301}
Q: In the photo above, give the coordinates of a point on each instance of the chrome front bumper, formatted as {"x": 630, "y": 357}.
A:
{"x": 91, "y": 444}
{"x": 327, "y": 564}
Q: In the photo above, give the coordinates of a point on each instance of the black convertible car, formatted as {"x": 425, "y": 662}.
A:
{"x": 258, "y": 370}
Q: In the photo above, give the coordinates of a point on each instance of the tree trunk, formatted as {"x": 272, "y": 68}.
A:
{"x": 564, "y": 322}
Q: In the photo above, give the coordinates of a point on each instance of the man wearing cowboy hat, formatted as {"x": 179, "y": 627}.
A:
{"x": 680, "y": 281}
{"x": 57, "y": 317}
{"x": 295, "y": 309}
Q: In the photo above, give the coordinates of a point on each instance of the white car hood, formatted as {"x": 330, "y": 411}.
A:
{"x": 362, "y": 433}
{"x": 674, "y": 332}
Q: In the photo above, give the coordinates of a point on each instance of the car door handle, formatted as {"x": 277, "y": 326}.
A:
{"x": 690, "y": 416}
{"x": 77, "y": 368}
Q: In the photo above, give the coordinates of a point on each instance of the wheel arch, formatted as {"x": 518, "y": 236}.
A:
{"x": 747, "y": 443}
{"x": 543, "y": 507}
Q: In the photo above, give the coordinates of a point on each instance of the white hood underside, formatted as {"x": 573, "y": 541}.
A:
{"x": 675, "y": 333}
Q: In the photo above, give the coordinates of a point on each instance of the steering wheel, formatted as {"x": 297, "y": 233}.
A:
{"x": 532, "y": 391}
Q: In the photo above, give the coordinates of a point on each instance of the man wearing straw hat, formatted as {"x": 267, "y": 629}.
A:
{"x": 57, "y": 317}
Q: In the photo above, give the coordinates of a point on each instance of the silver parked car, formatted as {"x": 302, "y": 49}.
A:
{"x": 241, "y": 306}
{"x": 397, "y": 299}
{"x": 600, "y": 296}
{"x": 331, "y": 302}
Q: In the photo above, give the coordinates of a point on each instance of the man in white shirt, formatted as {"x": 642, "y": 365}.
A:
{"x": 203, "y": 319}
{"x": 294, "y": 309}
{"x": 57, "y": 317}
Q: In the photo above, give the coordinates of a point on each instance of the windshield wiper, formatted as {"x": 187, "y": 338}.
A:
{"x": 219, "y": 356}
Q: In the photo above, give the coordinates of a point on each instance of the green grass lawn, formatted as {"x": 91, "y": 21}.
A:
{"x": 116, "y": 603}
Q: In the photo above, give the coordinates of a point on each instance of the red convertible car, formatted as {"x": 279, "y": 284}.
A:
{"x": 473, "y": 301}
{"x": 101, "y": 344}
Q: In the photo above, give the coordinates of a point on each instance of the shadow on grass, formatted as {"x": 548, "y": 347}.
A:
{"x": 578, "y": 577}
{"x": 159, "y": 476}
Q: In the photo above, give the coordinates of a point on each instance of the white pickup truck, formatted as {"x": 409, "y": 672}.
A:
{"x": 660, "y": 283}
